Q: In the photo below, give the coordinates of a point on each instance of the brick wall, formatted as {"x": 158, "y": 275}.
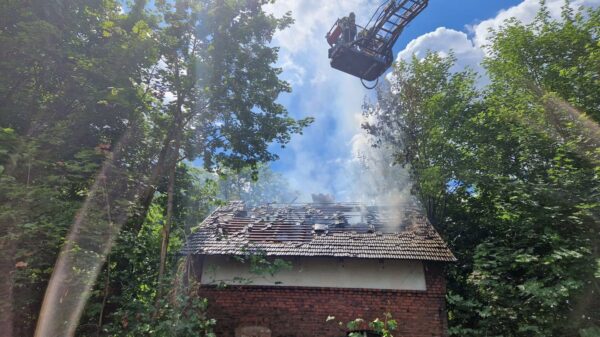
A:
{"x": 301, "y": 311}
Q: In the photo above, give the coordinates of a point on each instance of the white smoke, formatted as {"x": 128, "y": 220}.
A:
{"x": 379, "y": 180}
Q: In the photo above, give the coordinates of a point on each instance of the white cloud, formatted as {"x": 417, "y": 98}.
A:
{"x": 443, "y": 40}
{"x": 169, "y": 97}
{"x": 313, "y": 18}
{"x": 469, "y": 47}
{"x": 524, "y": 12}
{"x": 294, "y": 73}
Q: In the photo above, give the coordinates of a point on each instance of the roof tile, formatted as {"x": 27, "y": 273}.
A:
{"x": 351, "y": 230}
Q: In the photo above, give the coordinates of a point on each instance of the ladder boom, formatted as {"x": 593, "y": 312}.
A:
{"x": 392, "y": 19}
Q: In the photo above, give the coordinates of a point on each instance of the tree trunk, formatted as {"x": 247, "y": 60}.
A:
{"x": 167, "y": 226}
{"x": 147, "y": 194}
{"x": 7, "y": 271}
{"x": 104, "y": 297}
{"x": 173, "y": 159}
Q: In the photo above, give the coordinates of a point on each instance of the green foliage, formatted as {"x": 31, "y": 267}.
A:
{"x": 260, "y": 265}
{"x": 179, "y": 313}
{"x": 129, "y": 280}
{"x": 590, "y": 332}
{"x": 88, "y": 131}
{"x": 509, "y": 174}
{"x": 358, "y": 327}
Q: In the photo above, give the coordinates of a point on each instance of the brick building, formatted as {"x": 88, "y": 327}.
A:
{"x": 345, "y": 260}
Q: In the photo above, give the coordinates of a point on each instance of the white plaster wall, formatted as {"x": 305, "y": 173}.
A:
{"x": 321, "y": 272}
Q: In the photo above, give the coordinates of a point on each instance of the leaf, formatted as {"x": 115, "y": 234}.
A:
{"x": 590, "y": 332}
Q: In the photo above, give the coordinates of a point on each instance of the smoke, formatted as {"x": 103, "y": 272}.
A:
{"x": 320, "y": 198}
{"x": 378, "y": 180}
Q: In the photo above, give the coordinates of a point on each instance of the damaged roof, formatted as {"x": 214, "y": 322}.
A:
{"x": 331, "y": 229}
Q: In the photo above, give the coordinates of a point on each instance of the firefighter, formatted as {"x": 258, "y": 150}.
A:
{"x": 348, "y": 24}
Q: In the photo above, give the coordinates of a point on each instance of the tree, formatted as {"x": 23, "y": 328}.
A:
{"x": 125, "y": 300}
{"x": 63, "y": 102}
{"x": 509, "y": 175}
{"x": 420, "y": 120}
{"x": 92, "y": 136}
{"x": 218, "y": 68}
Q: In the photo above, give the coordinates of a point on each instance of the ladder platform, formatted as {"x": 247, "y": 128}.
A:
{"x": 362, "y": 64}
{"x": 367, "y": 52}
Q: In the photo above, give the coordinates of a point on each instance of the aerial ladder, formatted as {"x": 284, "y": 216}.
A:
{"x": 366, "y": 52}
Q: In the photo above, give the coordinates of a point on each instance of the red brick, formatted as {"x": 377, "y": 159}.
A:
{"x": 301, "y": 312}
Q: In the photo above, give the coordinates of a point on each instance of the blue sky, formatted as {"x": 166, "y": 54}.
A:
{"x": 326, "y": 158}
